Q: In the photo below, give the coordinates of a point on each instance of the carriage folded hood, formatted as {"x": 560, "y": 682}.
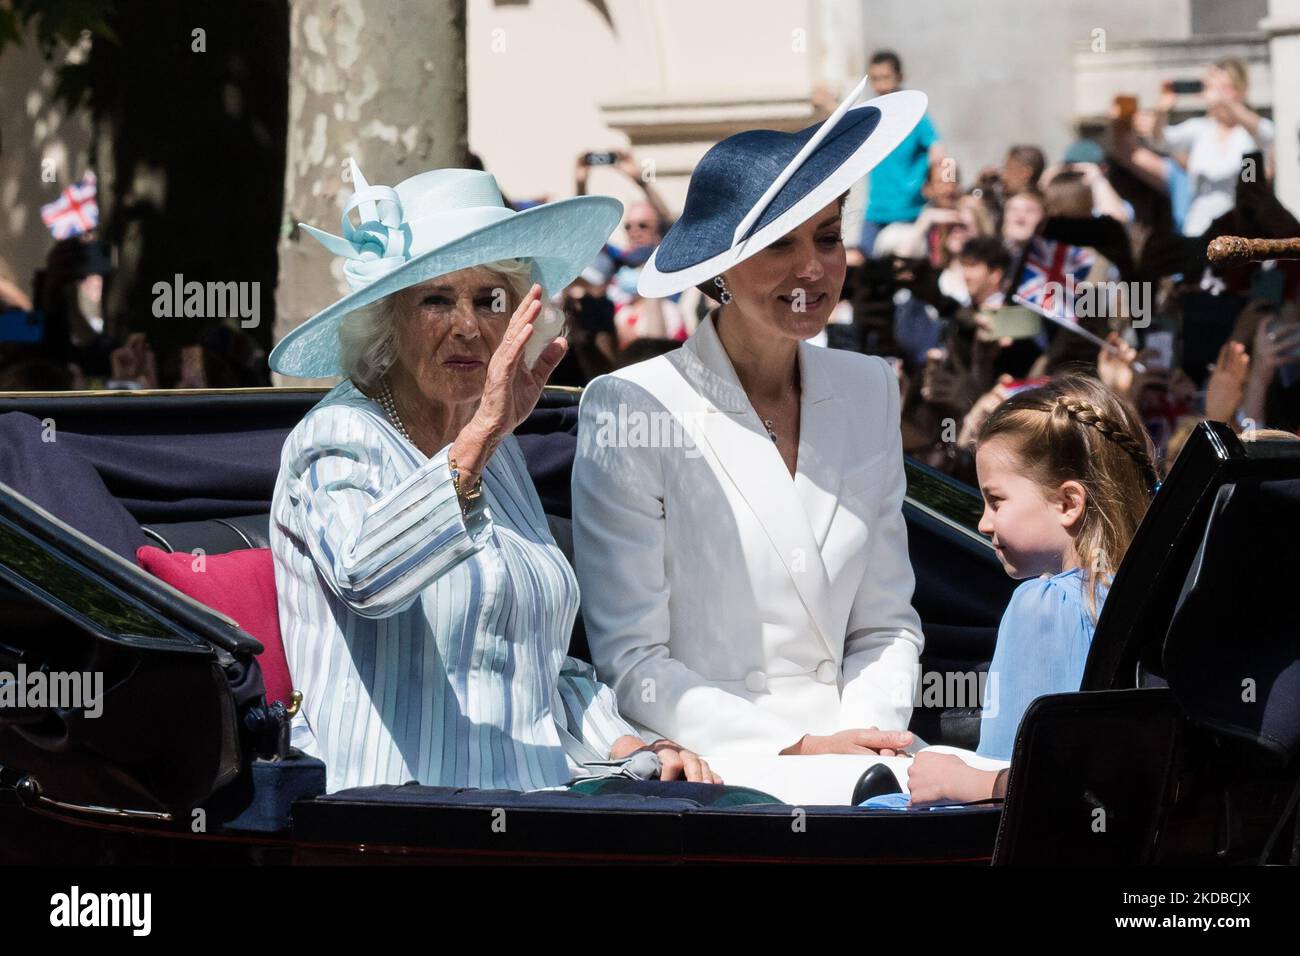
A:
{"x": 116, "y": 691}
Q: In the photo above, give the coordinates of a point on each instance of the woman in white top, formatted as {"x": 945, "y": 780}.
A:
{"x": 426, "y": 608}
{"x": 1215, "y": 144}
{"x": 737, "y": 503}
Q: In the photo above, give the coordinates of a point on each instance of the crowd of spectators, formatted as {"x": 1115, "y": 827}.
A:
{"x": 56, "y": 337}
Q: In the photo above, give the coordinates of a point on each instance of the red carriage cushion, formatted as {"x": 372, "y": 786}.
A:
{"x": 240, "y": 585}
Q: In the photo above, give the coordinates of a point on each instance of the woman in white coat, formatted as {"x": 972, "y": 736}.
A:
{"x": 737, "y": 503}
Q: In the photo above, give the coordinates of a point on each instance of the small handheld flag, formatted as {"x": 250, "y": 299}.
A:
{"x": 75, "y": 212}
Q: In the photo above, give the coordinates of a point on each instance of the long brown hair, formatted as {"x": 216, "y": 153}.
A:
{"x": 1076, "y": 429}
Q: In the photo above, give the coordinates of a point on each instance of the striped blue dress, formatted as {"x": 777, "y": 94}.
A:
{"x": 427, "y": 646}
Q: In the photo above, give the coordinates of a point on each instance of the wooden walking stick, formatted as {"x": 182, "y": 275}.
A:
{"x": 1235, "y": 249}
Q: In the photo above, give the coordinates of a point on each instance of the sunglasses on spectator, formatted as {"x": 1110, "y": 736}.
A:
{"x": 639, "y": 225}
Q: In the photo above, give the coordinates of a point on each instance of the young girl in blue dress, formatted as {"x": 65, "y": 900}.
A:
{"x": 1066, "y": 472}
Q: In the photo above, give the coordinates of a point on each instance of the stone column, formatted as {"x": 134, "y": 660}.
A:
{"x": 1283, "y": 28}
{"x": 384, "y": 83}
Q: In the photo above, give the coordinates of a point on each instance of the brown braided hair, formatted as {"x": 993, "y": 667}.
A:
{"x": 1088, "y": 414}
{"x": 1076, "y": 429}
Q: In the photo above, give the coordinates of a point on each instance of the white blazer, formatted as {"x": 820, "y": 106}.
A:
{"x": 734, "y": 609}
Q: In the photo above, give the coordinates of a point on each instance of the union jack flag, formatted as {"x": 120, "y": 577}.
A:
{"x": 75, "y": 211}
{"x": 1051, "y": 272}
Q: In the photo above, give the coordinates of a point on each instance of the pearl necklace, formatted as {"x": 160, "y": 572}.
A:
{"x": 390, "y": 408}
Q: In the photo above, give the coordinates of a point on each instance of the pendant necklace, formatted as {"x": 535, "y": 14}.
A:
{"x": 767, "y": 422}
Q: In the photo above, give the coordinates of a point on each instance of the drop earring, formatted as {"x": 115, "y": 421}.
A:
{"x": 725, "y": 295}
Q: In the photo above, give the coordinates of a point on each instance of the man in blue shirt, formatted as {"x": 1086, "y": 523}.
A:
{"x": 896, "y": 183}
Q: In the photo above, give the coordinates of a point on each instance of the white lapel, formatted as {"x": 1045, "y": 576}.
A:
{"x": 746, "y": 455}
{"x": 821, "y": 443}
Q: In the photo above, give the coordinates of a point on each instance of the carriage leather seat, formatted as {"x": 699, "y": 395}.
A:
{"x": 213, "y": 536}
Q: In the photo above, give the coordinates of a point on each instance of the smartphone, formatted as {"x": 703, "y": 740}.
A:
{"x": 1187, "y": 86}
{"x": 1015, "y": 322}
{"x": 600, "y": 159}
{"x": 1162, "y": 343}
{"x": 1269, "y": 285}
{"x": 1280, "y": 326}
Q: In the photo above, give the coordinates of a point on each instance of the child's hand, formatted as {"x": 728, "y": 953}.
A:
{"x": 944, "y": 778}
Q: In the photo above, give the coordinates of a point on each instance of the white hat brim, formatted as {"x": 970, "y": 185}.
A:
{"x": 561, "y": 238}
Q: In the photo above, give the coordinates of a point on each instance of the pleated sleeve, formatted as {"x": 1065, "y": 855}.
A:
{"x": 377, "y": 543}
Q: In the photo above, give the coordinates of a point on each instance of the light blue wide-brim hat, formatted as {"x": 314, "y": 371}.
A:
{"x": 431, "y": 225}
{"x": 752, "y": 188}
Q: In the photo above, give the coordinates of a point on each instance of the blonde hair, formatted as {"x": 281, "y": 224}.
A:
{"x": 368, "y": 335}
{"x": 1237, "y": 72}
{"x": 984, "y": 224}
{"x": 1076, "y": 429}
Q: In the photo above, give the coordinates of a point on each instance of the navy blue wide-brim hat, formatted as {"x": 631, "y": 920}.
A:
{"x": 752, "y": 188}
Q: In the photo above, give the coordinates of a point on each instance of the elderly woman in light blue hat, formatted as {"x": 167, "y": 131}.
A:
{"x": 768, "y": 599}
{"x": 425, "y": 607}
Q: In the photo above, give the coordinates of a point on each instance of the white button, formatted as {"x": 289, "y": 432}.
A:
{"x": 755, "y": 681}
{"x": 827, "y": 672}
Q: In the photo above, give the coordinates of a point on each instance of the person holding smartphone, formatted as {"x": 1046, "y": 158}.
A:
{"x": 1274, "y": 369}
{"x": 1215, "y": 143}
{"x": 644, "y": 222}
